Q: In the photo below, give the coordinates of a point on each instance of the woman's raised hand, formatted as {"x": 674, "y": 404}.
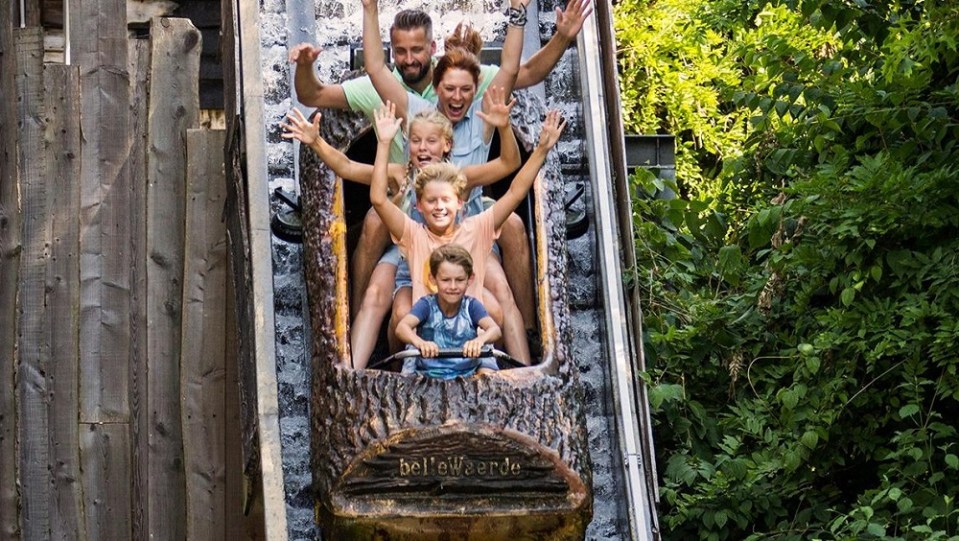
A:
{"x": 552, "y": 128}
{"x": 496, "y": 109}
{"x": 387, "y": 125}
{"x": 300, "y": 128}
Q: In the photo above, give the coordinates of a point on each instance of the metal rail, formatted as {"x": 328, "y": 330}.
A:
{"x": 621, "y": 337}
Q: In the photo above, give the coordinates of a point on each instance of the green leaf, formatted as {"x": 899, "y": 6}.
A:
{"x": 810, "y": 439}
{"x": 730, "y": 259}
{"x": 665, "y": 392}
{"x": 908, "y": 410}
{"x": 813, "y": 364}
{"x": 847, "y": 296}
{"x": 876, "y": 529}
{"x": 806, "y": 349}
{"x": 789, "y": 399}
{"x": 720, "y": 518}
{"x": 953, "y": 461}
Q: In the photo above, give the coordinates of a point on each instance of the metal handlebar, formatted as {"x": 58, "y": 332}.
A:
{"x": 503, "y": 360}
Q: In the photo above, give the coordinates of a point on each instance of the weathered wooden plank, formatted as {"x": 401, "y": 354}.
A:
{"x": 228, "y": 41}
{"x": 98, "y": 41}
{"x": 244, "y": 377}
{"x": 238, "y": 524}
{"x": 105, "y": 472}
{"x": 264, "y": 352}
{"x": 247, "y": 486}
{"x": 173, "y": 108}
{"x": 98, "y": 44}
{"x": 62, "y": 154}
{"x": 10, "y": 246}
{"x": 139, "y": 62}
{"x": 34, "y": 354}
{"x": 202, "y": 356}
{"x": 54, "y": 45}
{"x": 240, "y": 272}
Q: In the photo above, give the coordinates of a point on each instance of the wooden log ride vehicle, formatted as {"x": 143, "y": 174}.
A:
{"x": 501, "y": 456}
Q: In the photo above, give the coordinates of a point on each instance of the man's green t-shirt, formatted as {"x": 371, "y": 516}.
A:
{"x": 362, "y": 97}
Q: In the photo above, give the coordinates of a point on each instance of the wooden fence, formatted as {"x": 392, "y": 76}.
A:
{"x": 119, "y": 400}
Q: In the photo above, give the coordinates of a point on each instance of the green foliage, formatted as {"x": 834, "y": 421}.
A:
{"x": 801, "y": 301}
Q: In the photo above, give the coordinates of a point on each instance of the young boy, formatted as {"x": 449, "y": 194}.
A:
{"x": 448, "y": 319}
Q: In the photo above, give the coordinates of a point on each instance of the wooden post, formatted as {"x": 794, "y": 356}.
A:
{"x": 204, "y": 333}
{"x": 34, "y": 357}
{"x": 139, "y": 61}
{"x": 100, "y": 49}
{"x": 62, "y": 154}
{"x": 10, "y": 246}
{"x": 174, "y": 107}
{"x": 98, "y": 44}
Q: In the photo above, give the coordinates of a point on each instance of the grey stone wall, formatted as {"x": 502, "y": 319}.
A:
{"x": 335, "y": 25}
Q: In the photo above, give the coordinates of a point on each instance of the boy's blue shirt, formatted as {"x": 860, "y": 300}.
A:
{"x": 448, "y": 333}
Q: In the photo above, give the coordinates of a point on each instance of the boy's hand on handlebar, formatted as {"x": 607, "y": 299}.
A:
{"x": 428, "y": 349}
{"x": 473, "y": 348}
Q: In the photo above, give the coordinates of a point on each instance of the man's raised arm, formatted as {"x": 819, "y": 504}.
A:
{"x": 309, "y": 90}
{"x": 387, "y": 85}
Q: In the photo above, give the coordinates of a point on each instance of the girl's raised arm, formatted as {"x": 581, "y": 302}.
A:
{"x": 308, "y": 133}
{"x": 497, "y": 116}
{"x": 386, "y": 127}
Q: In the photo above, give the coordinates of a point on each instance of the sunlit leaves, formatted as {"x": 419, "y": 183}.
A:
{"x": 801, "y": 304}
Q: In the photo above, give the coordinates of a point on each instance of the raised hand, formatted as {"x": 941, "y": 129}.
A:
{"x": 570, "y": 21}
{"x": 304, "y": 54}
{"x": 552, "y": 128}
{"x": 497, "y": 110}
{"x": 387, "y": 125}
{"x": 300, "y": 128}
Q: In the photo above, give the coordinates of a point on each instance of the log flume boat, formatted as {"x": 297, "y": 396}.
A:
{"x": 503, "y": 456}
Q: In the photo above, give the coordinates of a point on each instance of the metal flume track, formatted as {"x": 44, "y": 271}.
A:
{"x": 614, "y": 237}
